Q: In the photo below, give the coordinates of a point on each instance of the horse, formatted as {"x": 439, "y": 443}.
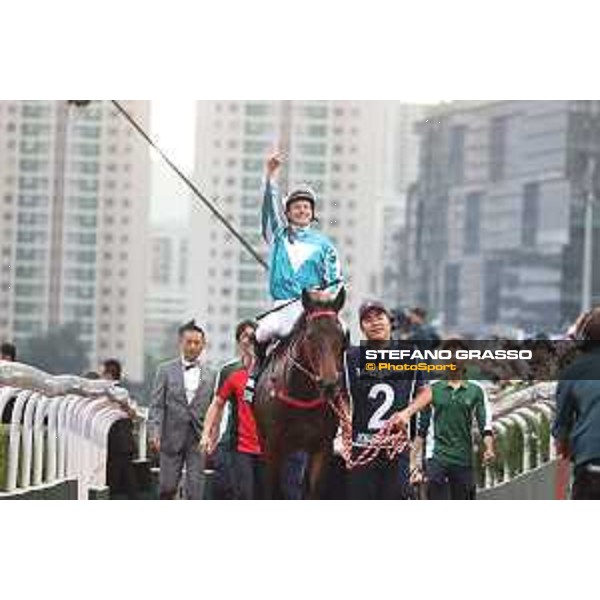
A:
{"x": 293, "y": 394}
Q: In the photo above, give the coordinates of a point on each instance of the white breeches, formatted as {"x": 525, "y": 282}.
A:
{"x": 279, "y": 324}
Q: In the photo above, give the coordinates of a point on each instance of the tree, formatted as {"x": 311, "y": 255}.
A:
{"x": 59, "y": 351}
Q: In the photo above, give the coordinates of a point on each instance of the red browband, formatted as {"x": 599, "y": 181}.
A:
{"x": 320, "y": 313}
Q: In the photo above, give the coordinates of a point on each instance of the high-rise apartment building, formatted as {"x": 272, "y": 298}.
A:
{"x": 73, "y": 221}
{"x": 167, "y": 285}
{"x": 397, "y": 168}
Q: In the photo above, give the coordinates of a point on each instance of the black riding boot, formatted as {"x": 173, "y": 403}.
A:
{"x": 260, "y": 352}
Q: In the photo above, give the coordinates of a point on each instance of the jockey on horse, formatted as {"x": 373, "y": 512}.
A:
{"x": 302, "y": 259}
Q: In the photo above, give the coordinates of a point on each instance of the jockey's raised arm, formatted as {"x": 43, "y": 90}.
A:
{"x": 273, "y": 217}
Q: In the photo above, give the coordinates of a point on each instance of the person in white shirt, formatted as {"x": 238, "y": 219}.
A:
{"x": 183, "y": 389}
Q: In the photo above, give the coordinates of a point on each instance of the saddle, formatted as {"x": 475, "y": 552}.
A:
{"x": 277, "y": 347}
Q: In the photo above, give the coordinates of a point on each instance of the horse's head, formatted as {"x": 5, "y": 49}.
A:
{"x": 321, "y": 343}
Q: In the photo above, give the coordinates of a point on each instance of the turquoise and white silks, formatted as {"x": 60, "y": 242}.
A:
{"x": 301, "y": 258}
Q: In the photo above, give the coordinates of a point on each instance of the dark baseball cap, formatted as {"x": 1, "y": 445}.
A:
{"x": 370, "y": 306}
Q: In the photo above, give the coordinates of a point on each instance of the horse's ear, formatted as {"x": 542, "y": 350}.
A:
{"x": 305, "y": 299}
{"x": 338, "y": 303}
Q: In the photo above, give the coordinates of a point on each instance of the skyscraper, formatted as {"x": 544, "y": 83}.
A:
{"x": 167, "y": 285}
{"x": 496, "y": 219}
{"x": 397, "y": 168}
{"x": 74, "y": 209}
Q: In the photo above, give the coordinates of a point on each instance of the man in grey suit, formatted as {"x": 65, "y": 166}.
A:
{"x": 183, "y": 389}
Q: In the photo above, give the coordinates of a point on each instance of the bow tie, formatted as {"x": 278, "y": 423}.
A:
{"x": 188, "y": 366}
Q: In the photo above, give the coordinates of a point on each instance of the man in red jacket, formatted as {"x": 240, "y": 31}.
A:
{"x": 247, "y": 463}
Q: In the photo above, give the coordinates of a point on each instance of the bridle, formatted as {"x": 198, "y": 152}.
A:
{"x": 290, "y": 363}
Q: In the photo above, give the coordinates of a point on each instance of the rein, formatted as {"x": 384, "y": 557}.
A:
{"x": 311, "y": 374}
{"x": 385, "y": 440}
{"x": 282, "y": 393}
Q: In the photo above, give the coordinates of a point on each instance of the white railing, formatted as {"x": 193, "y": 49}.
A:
{"x": 521, "y": 425}
{"x": 59, "y": 428}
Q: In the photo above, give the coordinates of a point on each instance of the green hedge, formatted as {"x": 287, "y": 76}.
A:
{"x": 509, "y": 447}
{"x": 545, "y": 438}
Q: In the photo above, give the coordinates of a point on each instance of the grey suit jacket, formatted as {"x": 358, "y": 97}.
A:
{"x": 171, "y": 416}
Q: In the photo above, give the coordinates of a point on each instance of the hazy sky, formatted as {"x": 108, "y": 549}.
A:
{"x": 173, "y": 124}
{"x": 173, "y": 127}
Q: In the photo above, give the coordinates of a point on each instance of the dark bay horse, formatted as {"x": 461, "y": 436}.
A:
{"x": 292, "y": 394}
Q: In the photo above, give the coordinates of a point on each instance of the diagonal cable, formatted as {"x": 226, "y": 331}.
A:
{"x": 213, "y": 209}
